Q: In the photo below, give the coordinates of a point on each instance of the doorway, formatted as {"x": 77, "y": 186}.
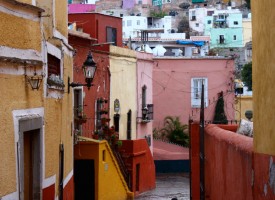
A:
{"x": 84, "y": 177}
{"x": 31, "y": 165}
{"x": 29, "y": 151}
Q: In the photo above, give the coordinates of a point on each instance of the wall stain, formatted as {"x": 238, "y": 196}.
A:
{"x": 272, "y": 175}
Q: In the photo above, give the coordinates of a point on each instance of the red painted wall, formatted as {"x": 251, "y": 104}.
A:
{"x": 137, "y": 152}
{"x": 101, "y": 82}
{"x": 49, "y": 193}
{"x": 228, "y": 164}
{"x": 68, "y": 191}
{"x": 264, "y": 178}
{"x": 195, "y": 160}
{"x": 95, "y": 24}
{"x": 232, "y": 169}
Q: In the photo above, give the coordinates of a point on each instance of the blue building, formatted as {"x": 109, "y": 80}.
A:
{"x": 225, "y": 29}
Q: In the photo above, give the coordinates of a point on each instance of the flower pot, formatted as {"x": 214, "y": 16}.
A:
{"x": 81, "y": 120}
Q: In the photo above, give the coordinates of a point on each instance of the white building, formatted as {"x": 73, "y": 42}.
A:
{"x": 132, "y": 24}
{"x": 197, "y": 18}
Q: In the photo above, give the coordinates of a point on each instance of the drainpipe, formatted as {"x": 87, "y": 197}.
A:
{"x": 61, "y": 164}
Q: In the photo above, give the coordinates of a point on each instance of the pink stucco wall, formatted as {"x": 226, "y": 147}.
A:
{"x": 144, "y": 73}
{"x": 81, "y": 8}
{"x": 172, "y": 87}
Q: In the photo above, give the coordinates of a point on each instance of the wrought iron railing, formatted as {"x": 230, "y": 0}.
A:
{"x": 122, "y": 167}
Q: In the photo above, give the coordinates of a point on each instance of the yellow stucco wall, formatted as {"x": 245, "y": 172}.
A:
{"x": 25, "y": 1}
{"x": 19, "y": 33}
{"x": 58, "y": 129}
{"x": 111, "y": 184}
{"x": 123, "y": 87}
{"x": 242, "y": 104}
{"x": 61, "y": 16}
{"x": 247, "y": 30}
{"x": 15, "y": 95}
{"x": 263, "y": 76}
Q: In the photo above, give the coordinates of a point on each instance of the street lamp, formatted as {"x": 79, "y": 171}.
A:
{"x": 89, "y": 69}
{"x": 35, "y": 80}
{"x": 144, "y": 112}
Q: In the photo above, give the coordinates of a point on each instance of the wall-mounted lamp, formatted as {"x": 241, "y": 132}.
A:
{"x": 35, "y": 80}
{"x": 89, "y": 69}
{"x": 144, "y": 112}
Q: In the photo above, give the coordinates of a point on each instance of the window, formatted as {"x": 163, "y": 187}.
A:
{"x": 209, "y": 22}
{"x": 129, "y": 23}
{"x": 123, "y": 23}
{"x": 53, "y": 65}
{"x": 144, "y": 88}
{"x": 236, "y": 22}
{"x": 138, "y": 22}
{"x": 196, "y": 89}
{"x": 234, "y": 37}
{"x": 111, "y": 35}
{"x": 197, "y": 24}
{"x": 221, "y": 39}
{"x": 140, "y": 2}
{"x": 129, "y": 125}
{"x": 210, "y": 13}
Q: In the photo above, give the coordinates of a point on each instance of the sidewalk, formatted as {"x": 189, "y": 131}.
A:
{"x": 168, "y": 186}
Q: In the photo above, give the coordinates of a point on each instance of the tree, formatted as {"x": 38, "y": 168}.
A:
{"x": 175, "y": 131}
{"x": 184, "y": 6}
{"x": 183, "y": 26}
{"x": 220, "y": 117}
{"x": 247, "y": 75}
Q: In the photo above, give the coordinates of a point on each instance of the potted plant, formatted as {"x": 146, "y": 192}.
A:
{"x": 81, "y": 119}
{"x": 104, "y": 121}
{"x": 95, "y": 135}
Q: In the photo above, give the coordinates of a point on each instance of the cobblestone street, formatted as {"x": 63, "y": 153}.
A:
{"x": 168, "y": 186}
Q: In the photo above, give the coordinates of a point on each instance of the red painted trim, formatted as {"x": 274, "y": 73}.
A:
{"x": 68, "y": 191}
{"x": 48, "y": 193}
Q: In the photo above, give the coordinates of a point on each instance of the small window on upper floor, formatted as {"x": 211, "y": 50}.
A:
{"x": 129, "y": 23}
{"x": 236, "y": 22}
{"x": 197, "y": 24}
{"x": 123, "y": 23}
{"x": 53, "y": 65}
{"x": 234, "y": 37}
{"x": 138, "y": 22}
{"x": 209, "y": 22}
{"x": 111, "y": 35}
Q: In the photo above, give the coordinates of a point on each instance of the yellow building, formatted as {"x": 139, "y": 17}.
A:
{"x": 124, "y": 82}
{"x": 263, "y": 77}
{"x": 36, "y": 145}
{"x": 247, "y": 29}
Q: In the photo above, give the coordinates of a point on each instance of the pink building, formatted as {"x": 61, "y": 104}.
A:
{"x": 177, "y": 87}
{"x": 81, "y": 8}
{"x": 145, "y": 95}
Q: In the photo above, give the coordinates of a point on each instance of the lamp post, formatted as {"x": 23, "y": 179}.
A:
{"x": 89, "y": 69}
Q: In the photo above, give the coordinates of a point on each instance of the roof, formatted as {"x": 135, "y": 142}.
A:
{"x": 80, "y": 34}
{"x": 95, "y": 13}
{"x": 167, "y": 151}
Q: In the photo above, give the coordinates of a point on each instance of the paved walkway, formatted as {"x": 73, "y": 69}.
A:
{"x": 168, "y": 186}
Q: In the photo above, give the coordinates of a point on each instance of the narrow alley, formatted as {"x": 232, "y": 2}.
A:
{"x": 168, "y": 186}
